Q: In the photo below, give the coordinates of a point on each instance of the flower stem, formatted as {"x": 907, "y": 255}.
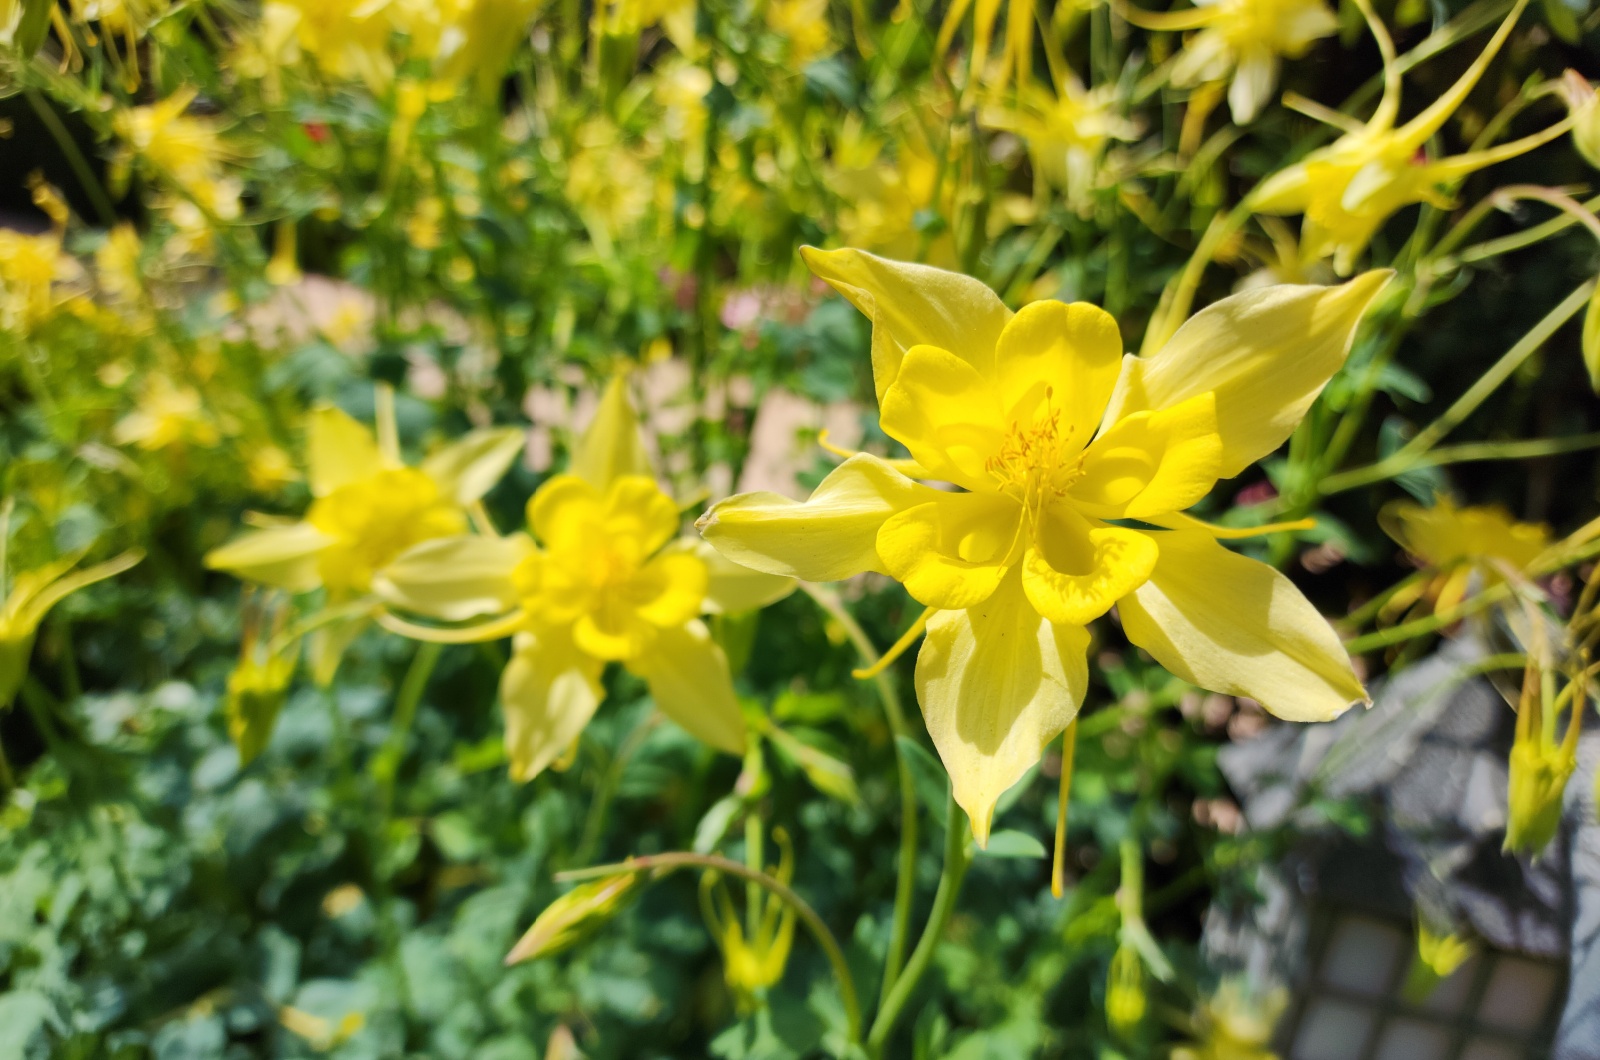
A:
{"x": 956, "y": 860}
{"x": 662, "y": 864}
{"x": 906, "y": 873}
{"x": 386, "y": 763}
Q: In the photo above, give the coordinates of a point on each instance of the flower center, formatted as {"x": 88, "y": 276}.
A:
{"x": 1031, "y": 465}
{"x": 376, "y": 519}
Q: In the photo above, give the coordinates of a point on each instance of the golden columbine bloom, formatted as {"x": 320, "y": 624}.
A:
{"x": 751, "y": 965}
{"x": 32, "y": 594}
{"x": 188, "y": 151}
{"x": 1236, "y": 1024}
{"x": 1067, "y": 131}
{"x": 368, "y": 506}
{"x": 1456, "y": 544}
{"x": 1348, "y": 189}
{"x": 601, "y": 577}
{"x": 1072, "y": 464}
{"x": 1241, "y": 40}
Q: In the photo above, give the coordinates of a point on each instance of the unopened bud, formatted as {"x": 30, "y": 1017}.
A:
{"x": 573, "y": 917}
{"x": 256, "y": 691}
{"x": 1538, "y": 779}
{"x": 1125, "y": 995}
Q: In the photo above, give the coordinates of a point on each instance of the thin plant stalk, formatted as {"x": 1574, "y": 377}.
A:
{"x": 956, "y": 860}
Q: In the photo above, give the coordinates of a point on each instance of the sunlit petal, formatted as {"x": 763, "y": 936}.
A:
{"x": 997, "y": 683}
{"x": 913, "y": 305}
{"x": 468, "y": 468}
{"x": 1073, "y": 351}
{"x": 611, "y": 445}
{"x": 549, "y": 692}
{"x": 1234, "y": 625}
{"x": 689, "y": 680}
{"x": 951, "y": 552}
{"x": 944, "y": 411}
{"x": 1266, "y": 354}
{"x": 455, "y": 578}
{"x": 1075, "y": 571}
{"x": 340, "y": 450}
{"x": 832, "y": 535}
{"x": 282, "y": 556}
{"x": 1152, "y": 462}
{"x": 732, "y": 588}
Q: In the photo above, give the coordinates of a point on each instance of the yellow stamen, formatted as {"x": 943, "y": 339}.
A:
{"x": 898, "y": 649}
{"x": 1058, "y": 872}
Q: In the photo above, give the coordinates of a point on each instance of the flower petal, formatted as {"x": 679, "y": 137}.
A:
{"x": 549, "y": 691}
{"x": 456, "y": 578}
{"x": 947, "y": 413}
{"x": 1253, "y": 81}
{"x": 565, "y": 511}
{"x": 997, "y": 683}
{"x": 912, "y": 305}
{"x": 951, "y": 552}
{"x": 1234, "y": 625}
{"x": 638, "y": 511}
{"x": 670, "y": 589}
{"x": 1074, "y": 351}
{"x": 1150, "y": 463}
{"x": 832, "y": 535}
{"x": 282, "y": 556}
{"x": 1265, "y": 353}
{"x": 689, "y": 679}
{"x": 611, "y": 445}
{"x": 731, "y": 588}
{"x": 1078, "y": 570}
{"x": 469, "y": 467}
{"x": 340, "y": 450}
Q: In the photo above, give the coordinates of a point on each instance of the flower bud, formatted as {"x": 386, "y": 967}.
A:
{"x": 1125, "y": 995}
{"x": 256, "y": 691}
{"x": 573, "y": 917}
{"x": 1538, "y": 779}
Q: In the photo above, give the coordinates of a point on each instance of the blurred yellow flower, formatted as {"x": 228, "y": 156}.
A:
{"x": 1456, "y": 543}
{"x": 1245, "y": 40}
{"x": 167, "y": 415}
{"x": 755, "y": 964}
{"x": 882, "y": 189}
{"x": 600, "y": 578}
{"x": 187, "y": 153}
{"x": 1067, "y": 133}
{"x": 31, "y": 267}
{"x": 1236, "y": 1024}
{"x": 369, "y": 507}
{"x": 803, "y": 26}
{"x": 1348, "y": 189}
{"x": 29, "y": 596}
{"x": 345, "y": 38}
{"x": 1056, "y": 441}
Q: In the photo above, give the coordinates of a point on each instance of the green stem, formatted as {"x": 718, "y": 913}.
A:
{"x": 956, "y": 860}
{"x": 1509, "y": 362}
{"x": 662, "y": 864}
{"x": 906, "y": 877}
{"x": 80, "y": 165}
{"x": 386, "y": 763}
{"x": 8, "y": 780}
{"x": 1527, "y": 449}
{"x": 606, "y": 790}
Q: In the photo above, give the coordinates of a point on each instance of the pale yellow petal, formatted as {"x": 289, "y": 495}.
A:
{"x": 689, "y": 680}
{"x": 549, "y": 691}
{"x": 948, "y": 414}
{"x": 951, "y": 552}
{"x": 635, "y": 508}
{"x": 455, "y": 578}
{"x": 340, "y": 450}
{"x": 832, "y": 535}
{"x": 997, "y": 683}
{"x": 1061, "y": 358}
{"x": 732, "y": 588}
{"x": 1076, "y": 570}
{"x": 611, "y": 445}
{"x": 1266, "y": 354}
{"x": 913, "y": 305}
{"x": 565, "y": 511}
{"x": 1150, "y": 463}
{"x": 469, "y": 467}
{"x": 1234, "y": 625}
{"x": 281, "y": 556}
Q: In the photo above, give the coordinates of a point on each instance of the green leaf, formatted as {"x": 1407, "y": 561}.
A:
{"x": 927, "y": 775}
{"x": 714, "y": 825}
{"x": 1012, "y": 844}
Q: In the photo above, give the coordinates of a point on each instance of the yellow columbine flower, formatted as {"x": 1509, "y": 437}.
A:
{"x": 750, "y": 966}
{"x": 185, "y": 150}
{"x": 1541, "y": 763}
{"x": 345, "y": 38}
{"x": 32, "y": 594}
{"x": 31, "y": 267}
{"x": 369, "y": 507}
{"x": 1067, "y": 132}
{"x": 1236, "y": 1024}
{"x": 1348, "y": 189}
{"x": 1457, "y": 543}
{"x": 1057, "y": 443}
{"x": 599, "y": 579}
{"x": 167, "y": 415}
{"x": 1245, "y": 40}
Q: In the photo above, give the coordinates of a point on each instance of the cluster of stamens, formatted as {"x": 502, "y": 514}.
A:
{"x": 1028, "y": 466}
